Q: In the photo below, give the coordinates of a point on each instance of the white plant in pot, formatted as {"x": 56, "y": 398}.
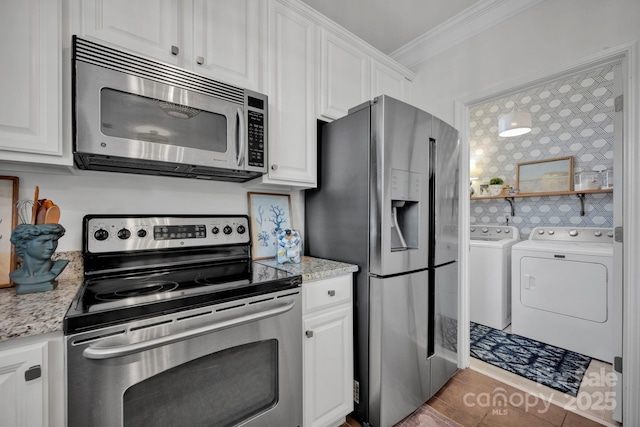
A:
{"x": 495, "y": 186}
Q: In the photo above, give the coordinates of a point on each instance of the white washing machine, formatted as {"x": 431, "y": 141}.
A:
{"x": 563, "y": 289}
{"x": 490, "y": 274}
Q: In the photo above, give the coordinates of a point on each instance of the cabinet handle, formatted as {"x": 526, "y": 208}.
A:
{"x": 332, "y": 293}
{"x": 175, "y": 50}
{"x": 200, "y": 60}
{"x": 32, "y": 373}
{"x": 309, "y": 334}
{"x": 274, "y": 167}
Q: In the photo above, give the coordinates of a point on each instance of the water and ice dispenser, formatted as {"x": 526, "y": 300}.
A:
{"x": 405, "y": 198}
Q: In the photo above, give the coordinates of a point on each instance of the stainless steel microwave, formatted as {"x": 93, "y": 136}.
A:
{"x": 137, "y": 115}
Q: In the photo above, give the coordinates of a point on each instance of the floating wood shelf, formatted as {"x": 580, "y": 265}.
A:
{"x": 511, "y": 197}
{"x": 559, "y": 193}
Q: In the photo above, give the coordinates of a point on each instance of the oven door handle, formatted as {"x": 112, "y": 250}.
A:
{"x": 99, "y": 353}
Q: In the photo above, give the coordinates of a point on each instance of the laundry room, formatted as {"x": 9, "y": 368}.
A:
{"x": 542, "y": 269}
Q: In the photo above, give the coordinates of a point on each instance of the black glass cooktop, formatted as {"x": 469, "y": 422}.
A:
{"x": 117, "y": 298}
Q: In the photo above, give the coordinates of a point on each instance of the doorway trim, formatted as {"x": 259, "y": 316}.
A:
{"x": 630, "y": 54}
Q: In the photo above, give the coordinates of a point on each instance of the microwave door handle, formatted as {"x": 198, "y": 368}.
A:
{"x": 241, "y": 138}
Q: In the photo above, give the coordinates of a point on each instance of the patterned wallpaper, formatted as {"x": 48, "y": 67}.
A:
{"x": 571, "y": 117}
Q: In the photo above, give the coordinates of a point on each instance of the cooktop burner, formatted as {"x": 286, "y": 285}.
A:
{"x": 143, "y": 280}
{"x": 136, "y": 290}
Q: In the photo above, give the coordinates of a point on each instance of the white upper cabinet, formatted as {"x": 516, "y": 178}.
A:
{"x": 344, "y": 75}
{"x": 30, "y": 106}
{"x": 387, "y": 81}
{"x": 226, "y": 40}
{"x": 217, "y": 38}
{"x": 292, "y": 101}
{"x": 150, "y": 27}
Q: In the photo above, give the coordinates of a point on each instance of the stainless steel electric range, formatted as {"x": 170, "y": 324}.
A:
{"x": 176, "y": 325}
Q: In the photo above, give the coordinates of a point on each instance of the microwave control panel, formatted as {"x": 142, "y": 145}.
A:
{"x": 256, "y": 135}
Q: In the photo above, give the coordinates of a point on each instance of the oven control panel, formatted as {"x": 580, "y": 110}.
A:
{"x": 138, "y": 233}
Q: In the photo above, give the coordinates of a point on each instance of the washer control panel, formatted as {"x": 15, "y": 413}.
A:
{"x": 494, "y": 232}
{"x": 573, "y": 234}
{"x": 138, "y": 233}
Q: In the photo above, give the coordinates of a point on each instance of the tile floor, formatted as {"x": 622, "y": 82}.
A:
{"x": 486, "y": 396}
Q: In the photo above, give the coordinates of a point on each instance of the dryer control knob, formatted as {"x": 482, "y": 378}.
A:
{"x": 573, "y": 233}
{"x": 597, "y": 233}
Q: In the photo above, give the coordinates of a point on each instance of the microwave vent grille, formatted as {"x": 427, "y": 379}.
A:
{"x": 103, "y": 56}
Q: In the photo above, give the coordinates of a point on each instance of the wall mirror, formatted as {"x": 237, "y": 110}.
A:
{"x": 545, "y": 176}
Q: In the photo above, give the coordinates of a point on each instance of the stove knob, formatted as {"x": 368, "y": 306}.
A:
{"x": 473, "y": 229}
{"x": 507, "y": 231}
{"x": 227, "y": 230}
{"x": 551, "y": 232}
{"x": 498, "y": 230}
{"x": 124, "y": 234}
{"x": 142, "y": 233}
{"x": 485, "y": 230}
{"x": 215, "y": 230}
{"x": 597, "y": 233}
{"x": 540, "y": 232}
{"x": 573, "y": 233}
{"x": 101, "y": 234}
{"x": 241, "y": 229}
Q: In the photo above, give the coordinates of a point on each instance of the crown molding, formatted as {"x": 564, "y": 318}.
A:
{"x": 473, "y": 20}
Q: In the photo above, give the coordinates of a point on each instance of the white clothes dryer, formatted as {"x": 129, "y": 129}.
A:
{"x": 563, "y": 289}
{"x": 490, "y": 274}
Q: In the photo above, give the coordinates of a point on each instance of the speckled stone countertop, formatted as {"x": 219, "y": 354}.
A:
{"x": 314, "y": 268}
{"x": 40, "y": 312}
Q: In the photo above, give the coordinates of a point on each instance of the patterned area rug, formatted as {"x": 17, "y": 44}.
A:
{"x": 545, "y": 364}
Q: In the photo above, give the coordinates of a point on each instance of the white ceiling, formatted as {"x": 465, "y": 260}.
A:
{"x": 390, "y": 24}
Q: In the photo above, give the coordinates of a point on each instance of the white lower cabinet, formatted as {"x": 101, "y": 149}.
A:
{"x": 32, "y": 382}
{"x": 327, "y": 351}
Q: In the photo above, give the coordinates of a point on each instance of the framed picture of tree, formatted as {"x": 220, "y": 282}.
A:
{"x": 269, "y": 213}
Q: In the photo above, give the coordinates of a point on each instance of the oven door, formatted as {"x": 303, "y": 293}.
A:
{"x": 237, "y": 363}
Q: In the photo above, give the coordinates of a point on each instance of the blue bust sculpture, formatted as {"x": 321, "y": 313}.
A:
{"x": 35, "y": 244}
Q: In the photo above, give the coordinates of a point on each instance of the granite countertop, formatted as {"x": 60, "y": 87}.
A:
{"x": 40, "y": 312}
{"x": 43, "y": 312}
{"x": 313, "y": 268}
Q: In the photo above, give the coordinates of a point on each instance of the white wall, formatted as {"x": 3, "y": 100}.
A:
{"x": 91, "y": 192}
{"x": 550, "y": 34}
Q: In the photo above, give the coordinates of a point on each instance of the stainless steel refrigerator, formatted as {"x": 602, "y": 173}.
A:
{"x": 387, "y": 200}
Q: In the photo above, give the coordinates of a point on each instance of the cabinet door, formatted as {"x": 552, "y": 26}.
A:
{"x": 226, "y": 40}
{"x": 23, "y": 395}
{"x": 328, "y": 367}
{"x": 30, "y": 84}
{"x": 344, "y": 76}
{"x": 386, "y": 81}
{"x": 149, "y": 27}
{"x": 292, "y": 138}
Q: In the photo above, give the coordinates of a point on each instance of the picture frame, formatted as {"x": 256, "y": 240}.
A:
{"x": 8, "y": 221}
{"x": 545, "y": 177}
{"x": 269, "y": 213}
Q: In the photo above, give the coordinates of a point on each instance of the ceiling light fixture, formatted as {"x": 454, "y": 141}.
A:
{"x": 515, "y": 123}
